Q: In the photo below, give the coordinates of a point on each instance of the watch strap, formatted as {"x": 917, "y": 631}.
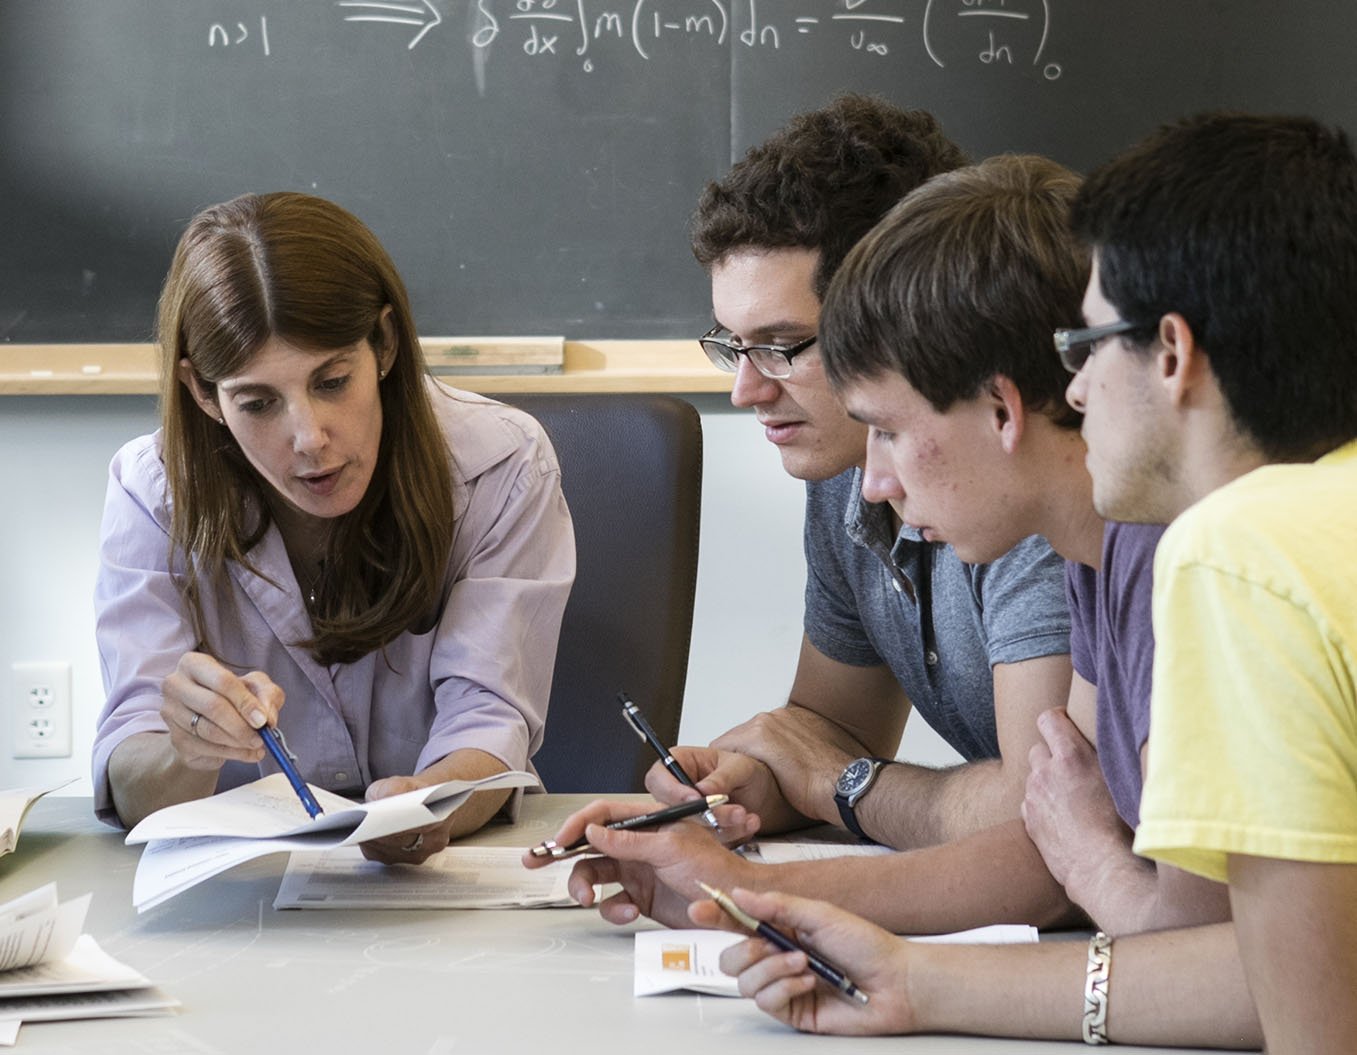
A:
{"x": 848, "y": 810}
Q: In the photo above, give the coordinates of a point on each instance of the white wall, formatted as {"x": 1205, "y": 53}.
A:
{"x": 54, "y": 454}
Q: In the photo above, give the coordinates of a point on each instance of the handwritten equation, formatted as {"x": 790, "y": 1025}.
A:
{"x": 948, "y": 33}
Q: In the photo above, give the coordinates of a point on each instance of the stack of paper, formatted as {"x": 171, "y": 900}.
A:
{"x": 49, "y": 970}
{"x": 193, "y": 841}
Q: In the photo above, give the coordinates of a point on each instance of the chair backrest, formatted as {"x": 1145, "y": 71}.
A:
{"x": 631, "y": 468}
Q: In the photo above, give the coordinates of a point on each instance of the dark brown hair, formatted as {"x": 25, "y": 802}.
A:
{"x": 1246, "y": 225}
{"x": 303, "y": 269}
{"x": 821, "y": 182}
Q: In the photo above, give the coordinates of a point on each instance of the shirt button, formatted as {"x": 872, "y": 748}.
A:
{"x": 341, "y": 776}
{"x": 931, "y": 658}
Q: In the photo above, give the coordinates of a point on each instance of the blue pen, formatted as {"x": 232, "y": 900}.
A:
{"x": 277, "y": 747}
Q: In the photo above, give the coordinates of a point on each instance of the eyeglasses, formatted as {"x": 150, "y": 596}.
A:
{"x": 1075, "y": 346}
{"x": 771, "y": 360}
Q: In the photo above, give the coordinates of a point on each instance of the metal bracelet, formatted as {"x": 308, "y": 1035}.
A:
{"x": 1096, "y": 989}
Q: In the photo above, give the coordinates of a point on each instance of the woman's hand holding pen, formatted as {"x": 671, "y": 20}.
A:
{"x": 657, "y": 870}
{"x": 213, "y": 714}
{"x": 781, "y": 983}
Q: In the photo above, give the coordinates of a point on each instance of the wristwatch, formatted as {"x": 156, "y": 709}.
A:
{"x": 853, "y": 783}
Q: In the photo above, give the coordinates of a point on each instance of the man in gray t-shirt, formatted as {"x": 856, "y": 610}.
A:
{"x": 893, "y": 622}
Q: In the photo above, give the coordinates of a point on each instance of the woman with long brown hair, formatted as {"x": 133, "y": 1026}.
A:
{"x": 321, "y": 537}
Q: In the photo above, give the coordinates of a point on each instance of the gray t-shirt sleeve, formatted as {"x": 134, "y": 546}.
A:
{"x": 1022, "y": 598}
{"x": 832, "y": 622}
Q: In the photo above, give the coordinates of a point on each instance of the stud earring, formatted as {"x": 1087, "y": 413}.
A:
{"x": 221, "y": 421}
{"x": 381, "y": 375}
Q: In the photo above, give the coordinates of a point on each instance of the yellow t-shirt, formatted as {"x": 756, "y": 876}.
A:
{"x": 1253, "y": 717}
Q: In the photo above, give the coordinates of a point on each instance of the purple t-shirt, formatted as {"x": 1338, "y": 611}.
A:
{"x": 1112, "y": 647}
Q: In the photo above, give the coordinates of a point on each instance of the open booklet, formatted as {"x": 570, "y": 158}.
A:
{"x": 50, "y": 970}
{"x": 193, "y": 841}
{"x": 14, "y": 806}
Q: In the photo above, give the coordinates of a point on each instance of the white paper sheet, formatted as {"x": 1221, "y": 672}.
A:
{"x": 779, "y": 852}
{"x": 35, "y": 928}
{"x": 193, "y": 841}
{"x": 994, "y": 934}
{"x": 458, "y": 877}
{"x": 268, "y": 809}
{"x": 670, "y": 960}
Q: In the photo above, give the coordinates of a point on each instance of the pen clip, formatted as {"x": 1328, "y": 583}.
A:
{"x": 281, "y": 741}
{"x": 635, "y": 718}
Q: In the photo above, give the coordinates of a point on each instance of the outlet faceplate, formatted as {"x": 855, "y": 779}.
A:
{"x": 40, "y": 710}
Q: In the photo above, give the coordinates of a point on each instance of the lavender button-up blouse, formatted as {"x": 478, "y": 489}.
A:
{"x": 479, "y": 677}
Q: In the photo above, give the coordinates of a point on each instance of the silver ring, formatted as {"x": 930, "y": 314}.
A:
{"x": 414, "y": 844}
{"x": 193, "y": 725}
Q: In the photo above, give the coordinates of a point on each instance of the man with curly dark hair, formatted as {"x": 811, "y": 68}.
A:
{"x": 893, "y": 620}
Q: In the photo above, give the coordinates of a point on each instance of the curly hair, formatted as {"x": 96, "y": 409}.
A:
{"x": 821, "y": 182}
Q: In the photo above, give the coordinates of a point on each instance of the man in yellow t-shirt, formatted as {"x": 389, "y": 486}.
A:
{"x": 1252, "y": 746}
{"x": 1224, "y": 400}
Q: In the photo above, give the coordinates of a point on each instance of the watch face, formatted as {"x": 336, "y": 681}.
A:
{"x": 854, "y": 776}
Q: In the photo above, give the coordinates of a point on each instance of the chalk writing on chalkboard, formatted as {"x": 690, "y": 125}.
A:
{"x": 951, "y": 32}
{"x": 219, "y": 34}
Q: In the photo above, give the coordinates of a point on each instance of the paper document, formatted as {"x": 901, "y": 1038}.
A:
{"x": 778, "y": 851}
{"x": 36, "y": 929}
{"x": 670, "y": 960}
{"x": 50, "y": 970}
{"x": 193, "y": 841}
{"x": 458, "y": 877}
{"x": 14, "y": 807}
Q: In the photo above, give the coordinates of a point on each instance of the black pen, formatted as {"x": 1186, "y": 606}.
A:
{"x": 549, "y": 848}
{"x": 767, "y": 931}
{"x": 642, "y": 728}
{"x": 277, "y": 747}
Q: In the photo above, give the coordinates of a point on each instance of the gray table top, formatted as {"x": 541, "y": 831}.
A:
{"x": 431, "y": 982}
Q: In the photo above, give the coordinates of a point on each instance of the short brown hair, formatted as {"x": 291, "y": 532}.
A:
{"x": 821, "y": 182}
{"x": 304, "y": 269}
{"x": 964, "y": 280}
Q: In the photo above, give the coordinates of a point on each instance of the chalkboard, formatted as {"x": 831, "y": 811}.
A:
{"x": 532, "y": 164}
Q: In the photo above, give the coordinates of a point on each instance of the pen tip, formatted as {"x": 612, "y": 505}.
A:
{"x": 710, "y": 891}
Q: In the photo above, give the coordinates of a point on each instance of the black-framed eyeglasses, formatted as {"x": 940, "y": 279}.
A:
{"x": 771, "y": 360}
{"x": 1074, "y": 346}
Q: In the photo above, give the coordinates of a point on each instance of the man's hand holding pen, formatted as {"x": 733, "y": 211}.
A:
{"x": 783, "y": 984}
{"x": 657, "y": 870}
{"x": 742, "y": 778}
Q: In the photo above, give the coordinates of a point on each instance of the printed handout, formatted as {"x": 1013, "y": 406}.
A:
{"x": 193, "y": 841}
{"x": 458, "y": 877}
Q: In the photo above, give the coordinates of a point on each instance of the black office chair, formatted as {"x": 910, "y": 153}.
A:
{"x": 631, "y": 468}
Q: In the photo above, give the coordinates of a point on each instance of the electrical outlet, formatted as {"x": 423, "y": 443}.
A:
{"x": 40, "y": 704}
